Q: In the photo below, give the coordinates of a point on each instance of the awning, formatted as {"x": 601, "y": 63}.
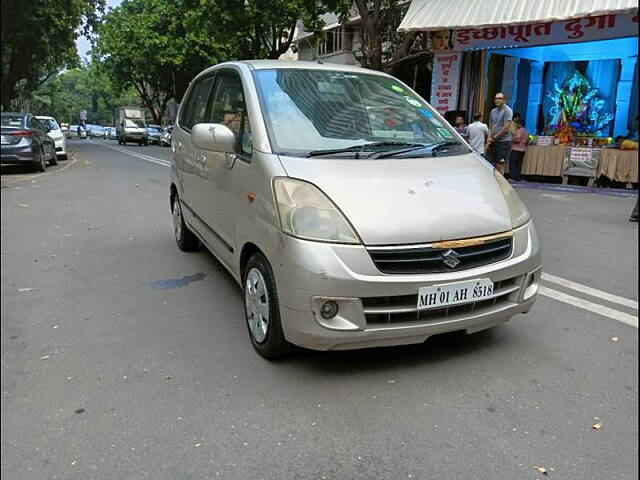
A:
{"x": 445, "y": 14}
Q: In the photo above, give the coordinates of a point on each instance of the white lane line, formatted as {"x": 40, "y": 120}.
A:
{"x": 590, "y": 306}
{"x": 627, "y": 302}
{"x": 142, "y": 156}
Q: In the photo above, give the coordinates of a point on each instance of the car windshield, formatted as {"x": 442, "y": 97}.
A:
{"x": 12, "y": 120}
{"x": 311, "y": 111}
{"x": 133, "y": 123}
{"x": 49, "y": 122}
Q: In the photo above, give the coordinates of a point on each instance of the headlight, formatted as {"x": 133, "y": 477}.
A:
{"x": 517, "y": 210}
{"x": 306, "y": 212}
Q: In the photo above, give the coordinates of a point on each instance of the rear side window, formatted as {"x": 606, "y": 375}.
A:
{"x": 196, "y": 106}
{"x": 12, "y": 120}
{"x": 35, "y": 123}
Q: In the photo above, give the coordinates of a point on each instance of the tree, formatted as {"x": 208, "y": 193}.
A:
{"x": 86, "y": 87}
{"x": 38, "y": 40}
{"x": 159, "y": 46}
{"x": 379, "y": 22}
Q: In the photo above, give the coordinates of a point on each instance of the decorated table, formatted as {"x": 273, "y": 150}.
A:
{"x": 619, "y": 165}
{"x": 545, "y": 161}
{"x": 560, "y": 160}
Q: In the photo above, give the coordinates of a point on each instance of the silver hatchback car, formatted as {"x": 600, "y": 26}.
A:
{"x": 349, "y": 211}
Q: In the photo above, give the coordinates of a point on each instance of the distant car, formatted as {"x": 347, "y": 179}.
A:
{"x": 25, "y": 141}
{"x": 153, "y": 133}
{"x": 82, "y": 132}
{"x": 106, "y": 132}
{"x": 95, "y": 131}
{"x": 55, "y": 132}
{"x": 165, "y": 138}
{"x": 112, "y": 134}
{"x": 64, "y": 127}
{"x": 72, "y": 131}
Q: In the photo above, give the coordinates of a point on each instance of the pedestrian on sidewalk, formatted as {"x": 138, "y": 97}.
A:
{"x": 461, "y": 127}
{"x": 519, "y": 143}
{"x": 499, "y": 142}
{"x": 478, "y": 133}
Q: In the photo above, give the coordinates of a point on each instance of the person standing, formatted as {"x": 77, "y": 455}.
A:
{"x": 478, "y": 133}
{"x": 499, "y": 142}
{"x": 519, "y": 142}
{"x": 461, "y": 127}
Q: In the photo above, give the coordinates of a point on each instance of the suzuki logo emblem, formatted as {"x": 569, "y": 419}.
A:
{"x": 450, "y": 258}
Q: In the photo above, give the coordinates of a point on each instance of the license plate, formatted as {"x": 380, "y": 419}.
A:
{"x": 446, "y": 294}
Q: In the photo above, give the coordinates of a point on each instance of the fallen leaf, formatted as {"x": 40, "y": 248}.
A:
{"x": 542, "y": 470}
{"x": 597, "y": 425}
{"x": 25, "y": 289}
{"x": 614, "y": 338}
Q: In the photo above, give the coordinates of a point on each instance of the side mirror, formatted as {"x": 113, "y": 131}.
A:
{"x": 214, "y": 137}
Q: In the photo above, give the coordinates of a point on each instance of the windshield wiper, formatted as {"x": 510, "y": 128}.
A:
{"x": 443, "y": 145}
{"x": 363, "y": 147}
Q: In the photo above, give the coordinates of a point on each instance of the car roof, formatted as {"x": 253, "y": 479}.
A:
{"x": 296, "y": 65}
{"x": 44, "y": 117}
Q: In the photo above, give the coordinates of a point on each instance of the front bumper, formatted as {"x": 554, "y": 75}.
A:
{"x": 377, "y": 309}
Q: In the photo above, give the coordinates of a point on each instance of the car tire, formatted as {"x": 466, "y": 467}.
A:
{"x": 41, "y": 163}
{"x": 185, "y": 238}
{"x": 64, "y": 157}
{"x": 260, "y": 299}
{"x": 53, "y": 160}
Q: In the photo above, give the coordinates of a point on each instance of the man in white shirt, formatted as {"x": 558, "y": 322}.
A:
{"x": 478, "y": 133}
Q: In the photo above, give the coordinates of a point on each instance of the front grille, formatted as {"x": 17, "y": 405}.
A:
{"x": 430, "y": 260}
{"x": 403, "y": 311}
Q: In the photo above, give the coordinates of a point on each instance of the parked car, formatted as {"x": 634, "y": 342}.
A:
{"x": 56, "y": 134}
{"x": 25, "y": 141}
{"x": 345, "y": 234}
{"x": 153, "y": 133}
{"x": 165, "y": 138}
{"x": 82, "y": 133}
{"x": 112, "y": 134}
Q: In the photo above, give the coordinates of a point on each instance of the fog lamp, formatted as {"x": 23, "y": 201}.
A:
{"x": 329, "y": 309}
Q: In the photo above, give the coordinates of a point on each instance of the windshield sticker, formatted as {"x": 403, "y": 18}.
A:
{"x": 397, "y": 88}
{"x": 413, "y": 101}
{"x": 445, "y": 133}
{"x": 426, "y": 113}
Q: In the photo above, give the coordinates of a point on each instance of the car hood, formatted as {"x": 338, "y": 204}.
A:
{"x": 410, "y": 200}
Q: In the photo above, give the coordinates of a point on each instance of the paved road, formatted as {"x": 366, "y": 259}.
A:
{"x": 106, "y": 377}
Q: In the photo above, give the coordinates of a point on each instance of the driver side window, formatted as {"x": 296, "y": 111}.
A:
{"x": 229, "y": 108}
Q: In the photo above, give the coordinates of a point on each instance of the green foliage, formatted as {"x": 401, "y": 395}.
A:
{"x": 38, "y": 40}
{"x": 158, "y": 46}
{"x": 86, "y": 87}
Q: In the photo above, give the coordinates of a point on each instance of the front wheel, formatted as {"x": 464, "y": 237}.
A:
{"x": 262, "y": 310}
{"x": 185, "y": 238}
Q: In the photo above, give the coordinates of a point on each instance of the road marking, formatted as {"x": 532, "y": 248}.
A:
{"x": 590, "y": 291}
{"x": 42, "y": 174}
{"x": 142, "y": 156}
{"x": 590, "y": 306}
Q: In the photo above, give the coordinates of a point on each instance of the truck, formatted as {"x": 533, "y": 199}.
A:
{"x": 131, "y": 126}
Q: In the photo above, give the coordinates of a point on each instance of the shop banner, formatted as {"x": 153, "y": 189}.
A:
{"x": 445, "y": 81}
{"x": 586, "y": 29}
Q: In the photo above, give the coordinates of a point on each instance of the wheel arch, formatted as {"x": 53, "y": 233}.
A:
{"x": 248, "y": 250}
